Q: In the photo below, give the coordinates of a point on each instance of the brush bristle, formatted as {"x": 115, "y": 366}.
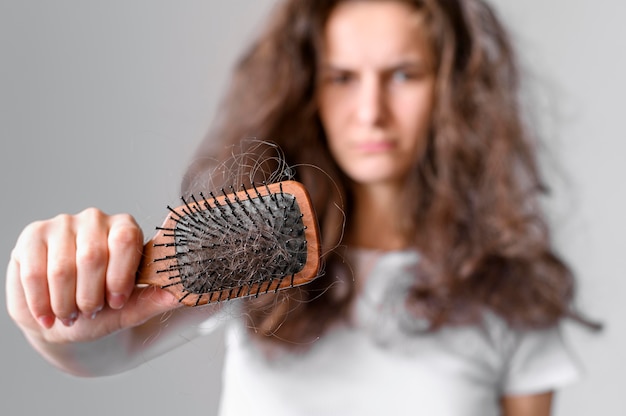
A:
{"x": 245, "y": 245}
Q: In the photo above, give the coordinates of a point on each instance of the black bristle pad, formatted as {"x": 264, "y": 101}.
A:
{"x": 237, "y": 243}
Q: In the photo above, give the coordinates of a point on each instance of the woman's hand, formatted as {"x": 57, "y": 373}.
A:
{"x": 71, "y": 279}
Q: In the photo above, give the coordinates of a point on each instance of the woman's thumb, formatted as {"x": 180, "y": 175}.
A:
{"x": 145, "y": 303}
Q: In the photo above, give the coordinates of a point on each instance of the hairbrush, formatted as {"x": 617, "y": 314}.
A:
{"x": 238, "y": 244}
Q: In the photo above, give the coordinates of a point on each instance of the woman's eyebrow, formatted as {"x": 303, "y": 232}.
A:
{"x": 402, "y": 63}
{"x": 330, "y": 66}
{"x": 410, "y": 62}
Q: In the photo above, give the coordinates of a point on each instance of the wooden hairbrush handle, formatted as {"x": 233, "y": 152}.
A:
{"x": 238, "y": 244}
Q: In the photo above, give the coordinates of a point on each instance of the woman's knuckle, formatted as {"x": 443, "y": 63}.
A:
{"x": 61, "y": 271}
{"x": 92, "y": 213}
{"x": 125, "y": 236}
{"x": 31, "y": 276}
{"x": 88, "y": 302}
{"x": 62, "y": 220}
{"x": 91, "y": 255}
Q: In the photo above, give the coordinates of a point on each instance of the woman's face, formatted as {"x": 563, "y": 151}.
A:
{"x": 375, "y": 89}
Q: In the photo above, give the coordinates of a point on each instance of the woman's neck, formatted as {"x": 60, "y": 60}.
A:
{"x": 376, "y": 218}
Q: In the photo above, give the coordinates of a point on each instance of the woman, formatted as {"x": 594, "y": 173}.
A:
{"x": 441, "y": 292}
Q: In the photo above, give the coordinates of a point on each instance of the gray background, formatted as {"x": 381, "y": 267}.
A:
{"x": 102, "y": 103}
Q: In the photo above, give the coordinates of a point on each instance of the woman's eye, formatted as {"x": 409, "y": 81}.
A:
{"x": 401, "y": 75}
{"x": 338, "y": 78}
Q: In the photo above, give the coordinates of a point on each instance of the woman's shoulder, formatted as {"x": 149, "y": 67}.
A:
{"x": 532, "y": 359}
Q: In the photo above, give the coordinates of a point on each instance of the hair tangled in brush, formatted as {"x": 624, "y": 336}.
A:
{"x": 473, "y": 196}
{"x": 236, "y": 245}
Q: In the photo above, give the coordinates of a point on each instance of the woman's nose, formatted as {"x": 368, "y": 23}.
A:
{"x": 370, "y": 105}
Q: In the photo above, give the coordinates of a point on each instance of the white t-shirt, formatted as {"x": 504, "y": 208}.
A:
{"x": 375, "y": 366}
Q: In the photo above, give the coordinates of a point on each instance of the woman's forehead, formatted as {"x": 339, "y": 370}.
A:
{"x": 376, "y": 32}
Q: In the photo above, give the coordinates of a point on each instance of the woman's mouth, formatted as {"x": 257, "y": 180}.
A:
{"x": 375, "y": 146}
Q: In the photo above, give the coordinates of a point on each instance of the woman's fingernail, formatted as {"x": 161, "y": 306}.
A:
{"x": 46, "y": 321}
{"x": 93, "y": 315}
{"x": 117, "y": 300}
{"x": 71, "y": 320}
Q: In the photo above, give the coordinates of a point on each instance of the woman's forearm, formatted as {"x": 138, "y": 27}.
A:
{"x": 125, "y": 349}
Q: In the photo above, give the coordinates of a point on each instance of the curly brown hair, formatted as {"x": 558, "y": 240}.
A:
{"x": 482, "y": 237}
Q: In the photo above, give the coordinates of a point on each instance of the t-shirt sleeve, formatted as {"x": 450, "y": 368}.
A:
{"x": 538, "y": 361}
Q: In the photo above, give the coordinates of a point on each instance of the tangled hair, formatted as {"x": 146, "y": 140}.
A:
{"x": 473, "y": 196}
